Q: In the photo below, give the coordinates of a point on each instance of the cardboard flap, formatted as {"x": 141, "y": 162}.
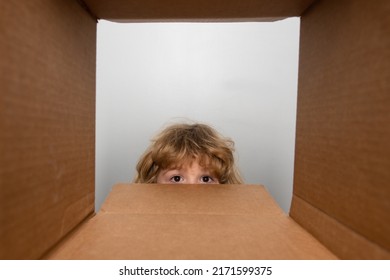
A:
{"x": 190, "y": 222}
{"x": 251, "y": 200}
{"x": 196, "y": 10}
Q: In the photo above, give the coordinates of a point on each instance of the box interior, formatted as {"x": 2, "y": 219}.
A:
{"x": 47, "y": 117}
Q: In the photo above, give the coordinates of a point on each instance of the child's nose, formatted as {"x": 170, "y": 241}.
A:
{"x": 192, "y": 180}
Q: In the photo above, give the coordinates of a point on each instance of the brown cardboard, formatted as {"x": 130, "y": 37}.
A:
{"x": 344, "y": 242}
{"x": 190, "y": 222}
{"x": 196, "y": 10}
{"x": 47, "y": 123}
{"x": 342, "y": 162}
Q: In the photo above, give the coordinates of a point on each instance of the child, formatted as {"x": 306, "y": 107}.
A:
{"x": 188, "y": 154}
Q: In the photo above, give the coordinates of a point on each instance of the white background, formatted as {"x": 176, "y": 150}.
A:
{"x": 241, "y": 78}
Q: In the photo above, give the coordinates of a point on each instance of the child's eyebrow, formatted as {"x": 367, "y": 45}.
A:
{"x": 205, "y": 171}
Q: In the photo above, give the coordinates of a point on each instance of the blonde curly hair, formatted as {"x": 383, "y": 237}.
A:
{"x": 183, "y": 143}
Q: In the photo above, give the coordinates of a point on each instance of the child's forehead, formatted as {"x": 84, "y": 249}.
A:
{"x": 203, "y": 162}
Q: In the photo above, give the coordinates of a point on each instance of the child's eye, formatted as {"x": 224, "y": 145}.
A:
{"x": 206, "y": 179}
{"x": 176, "y": 179}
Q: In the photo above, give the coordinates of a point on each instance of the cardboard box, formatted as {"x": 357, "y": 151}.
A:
{"x": 190, "y": 222}
{"x": 47, "y": 121}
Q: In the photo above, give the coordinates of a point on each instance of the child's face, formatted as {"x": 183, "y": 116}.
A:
{"x": 191, "y": 173}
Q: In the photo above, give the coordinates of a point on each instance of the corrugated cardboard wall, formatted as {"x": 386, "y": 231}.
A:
{"x": 47, "y": 123}
{"x": 196, "y": 10}
{"x": 342, "y": 165}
